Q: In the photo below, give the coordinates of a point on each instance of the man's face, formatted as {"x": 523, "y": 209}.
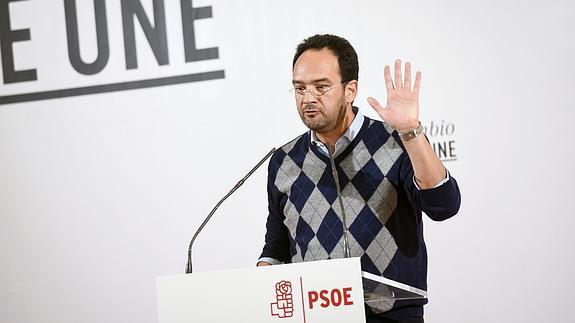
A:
{"x": 319, "y": 69}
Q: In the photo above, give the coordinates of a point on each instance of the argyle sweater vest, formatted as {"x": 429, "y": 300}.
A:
{"x": 381, "y": 203}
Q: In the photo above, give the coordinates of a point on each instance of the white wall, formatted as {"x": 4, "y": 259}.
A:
{"x": 100, "y": 194}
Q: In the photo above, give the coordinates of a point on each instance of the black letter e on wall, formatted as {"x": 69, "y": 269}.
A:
{"x": 7, "y": 38}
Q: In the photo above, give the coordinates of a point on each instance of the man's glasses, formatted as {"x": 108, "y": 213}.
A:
{"x": 315, "y": 90}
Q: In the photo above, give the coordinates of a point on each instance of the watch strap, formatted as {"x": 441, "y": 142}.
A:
{"x": 406, "y": 136}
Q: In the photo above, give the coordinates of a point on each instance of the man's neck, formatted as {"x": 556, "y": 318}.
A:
{"x": 331, "y": 137}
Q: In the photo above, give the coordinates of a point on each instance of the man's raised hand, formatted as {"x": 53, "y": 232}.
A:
{"x": 402, "y": 109}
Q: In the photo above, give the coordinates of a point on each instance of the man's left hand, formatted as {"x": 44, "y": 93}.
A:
{"x": 402, "y": 109}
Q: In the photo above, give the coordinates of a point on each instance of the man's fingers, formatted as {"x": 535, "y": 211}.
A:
{"x": 374, "y": 104}
{"x": 387, "y": 78}
{"x": 377, "y": 107}
{"x": 407, "y": 83}
{"x": 397, "y": 75}
{"x": 417, "y": 83}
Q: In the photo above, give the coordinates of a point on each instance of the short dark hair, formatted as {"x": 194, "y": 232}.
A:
{"x": 340, "y": 47}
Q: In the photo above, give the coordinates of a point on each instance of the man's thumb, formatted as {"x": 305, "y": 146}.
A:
{"x": 377, "y": 107}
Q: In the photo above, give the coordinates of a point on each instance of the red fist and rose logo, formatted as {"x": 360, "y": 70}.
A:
{"x": 283, "y": 306}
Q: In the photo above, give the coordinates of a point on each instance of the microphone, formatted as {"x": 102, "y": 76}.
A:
{"x": 239, "y": 183}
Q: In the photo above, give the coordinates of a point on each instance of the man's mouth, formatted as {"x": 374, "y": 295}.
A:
{"x": 310, "y": 111}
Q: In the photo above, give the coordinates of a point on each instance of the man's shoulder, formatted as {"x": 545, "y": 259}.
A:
{"x": 295, "y": 148}
{"x": 297, "y": 142}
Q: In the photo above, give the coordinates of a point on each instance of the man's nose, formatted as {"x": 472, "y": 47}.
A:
{"x": 308, "y": 97}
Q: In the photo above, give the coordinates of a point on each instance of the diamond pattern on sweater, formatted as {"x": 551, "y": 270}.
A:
{"x": 365, "y": 227}
{"x": 381, "y": 249}
{"x": 343, "y": 179}
{"x": 383, "y": 201}
{"x": 290, "y": 145}
{"x": 304, "y": 234}
{"x": 330, "y": 231}
{"x": 296, "y": 156}
{"x": 387, "y": 155}
{"x": 297, "y": 256}
{"x": 316, "y": 251}
{"x": 286, "y": 174}
{"x": 354, "y": 162}
{"x": 313, "y": 212}
{"x": 375, "y": 135}
{"x": 338, "y": 252}
{"x": 368, "y": 265}
{"x": 367, "y": 180}
{"x": 353, "y": 203}
{"x": 291, "y": 218}
{"x": 354, "y": 248}
{"x": 390, "y": 248}
{"x": 315, "y": 209}
{"x": 325, "y": 185}
{"x": 369, "y": 175}
{"x": 300, "y": 191}
{"x": 380, "y": 306}
{"x": 313, "y": 167}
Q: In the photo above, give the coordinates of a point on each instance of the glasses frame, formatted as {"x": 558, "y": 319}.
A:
{"x": 317, "y": 93}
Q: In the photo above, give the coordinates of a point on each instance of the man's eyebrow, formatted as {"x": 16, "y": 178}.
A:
{"x": 325, "y": 79}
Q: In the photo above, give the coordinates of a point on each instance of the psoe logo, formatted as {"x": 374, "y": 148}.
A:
{"x": 283, "y": 306}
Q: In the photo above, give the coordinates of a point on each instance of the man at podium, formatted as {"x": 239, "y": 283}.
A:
{"x": 352, "y": 186}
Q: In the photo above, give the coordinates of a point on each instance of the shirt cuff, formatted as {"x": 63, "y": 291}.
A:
{"x": 271, "y": 261}
{"x": 443, "y": 181}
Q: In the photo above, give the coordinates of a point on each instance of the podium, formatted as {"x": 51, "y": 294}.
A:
{"x": 315, "y": 292}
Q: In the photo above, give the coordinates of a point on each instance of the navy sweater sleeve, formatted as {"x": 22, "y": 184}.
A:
{"x": 438, "y": 203}
{"x": 277, "y": 243}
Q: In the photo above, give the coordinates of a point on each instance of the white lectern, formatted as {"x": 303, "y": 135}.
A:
{"x": 315, "y": 292}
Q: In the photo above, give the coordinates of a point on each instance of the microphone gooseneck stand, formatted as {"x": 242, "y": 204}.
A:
{"x": 240, "y": 183}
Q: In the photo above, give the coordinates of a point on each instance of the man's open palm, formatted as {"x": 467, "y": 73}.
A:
{"x": 402, "y": 109}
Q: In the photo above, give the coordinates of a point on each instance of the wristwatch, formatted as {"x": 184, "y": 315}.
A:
{"x": 406, "y": 136}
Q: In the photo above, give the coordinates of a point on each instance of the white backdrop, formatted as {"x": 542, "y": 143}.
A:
{"x": 99, "y": 194}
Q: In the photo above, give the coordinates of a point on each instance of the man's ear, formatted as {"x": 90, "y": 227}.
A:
{"x": 350, "y": 91}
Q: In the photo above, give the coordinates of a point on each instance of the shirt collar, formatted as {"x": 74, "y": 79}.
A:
{"x": 350, "y": 133}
